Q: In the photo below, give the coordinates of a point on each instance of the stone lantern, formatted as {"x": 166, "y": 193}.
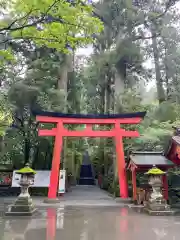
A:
{"x": 23, "y": 205}
{"x": 156, "y": 204}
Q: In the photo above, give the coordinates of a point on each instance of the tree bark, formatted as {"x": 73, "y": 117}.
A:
{"x": 119, "y": 84}
{"x": 1, "y": 143}
{"x": 167, "y": 73}
{"x": 176, "y": 88}
{"x": 27, "y": 147}
{"x": 62, "y": 85}
{"x": 159, "y": 81}
{"x": 63, "y": 78}
{"x": 35, "y": 156}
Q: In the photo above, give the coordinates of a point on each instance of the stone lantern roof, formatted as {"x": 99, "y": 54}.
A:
{"x": 26, "y": 170}
{"x": 155, "y": 171}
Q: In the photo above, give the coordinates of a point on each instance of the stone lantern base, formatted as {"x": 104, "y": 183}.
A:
{"x": 159, "y": 207}
{"x": 158, "y": 210}
{"x": 21, "y": 207}
{"x": 160, "y": 213}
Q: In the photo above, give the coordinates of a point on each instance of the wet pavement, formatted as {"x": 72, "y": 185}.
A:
{"x": 81, "y": 223}
{"x": 80, "y": 216}
{"x": 80, "y": 196}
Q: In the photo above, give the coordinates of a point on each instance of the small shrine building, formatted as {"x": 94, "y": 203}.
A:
{"x": 140, "y": 162}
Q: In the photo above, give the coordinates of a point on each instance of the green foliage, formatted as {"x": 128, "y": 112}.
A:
{"x": 51, "y": 23}
{"x": 6, "y": 55}
{"x": 155, "y": 133}
{"x": 5, "y": 116}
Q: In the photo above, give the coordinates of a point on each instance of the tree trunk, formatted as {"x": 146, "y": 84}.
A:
{"x": 35, "y": 158}
{"x": 159, "y": 81}
{"x": 62, "y": 82}
{"x": 119, "y": 82}
{"x": 107, "y": 107}
{"x": 119, "y": 85}
{"x": 1, "y": 143}
{"x": 45, "y": 159}
{"x": 167, "y": 74}
{"x": 62, "y": 86}
{"x": 176, "y": 88}
{"x": 27, "y": 147}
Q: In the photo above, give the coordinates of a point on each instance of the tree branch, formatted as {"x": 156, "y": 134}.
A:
{"x": 169, "y": 4}
{"x": 145, "y": 38}
{"x": 95, "y": 13}
{"x": 9, "y": 28}
{"x": 15, "y": 21}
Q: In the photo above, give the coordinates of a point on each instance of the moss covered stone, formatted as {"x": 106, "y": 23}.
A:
{"x": 26, "y": 170}
{"x": 155, "y": 171}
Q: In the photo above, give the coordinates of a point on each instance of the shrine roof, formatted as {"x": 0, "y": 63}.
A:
{"x": 89, "y": 116}
{"x": 149, "y": 159}
{"x": 176, "y": 139}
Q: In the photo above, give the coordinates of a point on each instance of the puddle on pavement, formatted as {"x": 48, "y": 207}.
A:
{"x": 77, "y": 223}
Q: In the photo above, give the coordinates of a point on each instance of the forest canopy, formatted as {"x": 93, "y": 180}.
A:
{"x": 57, "y": 24}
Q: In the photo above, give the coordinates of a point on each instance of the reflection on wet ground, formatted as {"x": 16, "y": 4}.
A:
{"x": 78, "y": 223}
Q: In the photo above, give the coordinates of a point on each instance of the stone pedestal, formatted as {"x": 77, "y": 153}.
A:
{"x": 22, "y": 207}
{"x": 158, "y": 208}
{"x": 160, "y": 213}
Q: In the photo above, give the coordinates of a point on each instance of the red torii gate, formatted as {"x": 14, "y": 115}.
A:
{"x": 60, "y": 131}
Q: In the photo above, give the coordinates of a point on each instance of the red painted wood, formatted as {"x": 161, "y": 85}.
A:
{"x": 134, "y": 185}
{"x": 165, "y": 186}
{"x": 54, "y": 178}
{"x": 47, "y": 132}
{"x": 88, "y": 132}
{"x": 121, "y": 164}
{"x": 88, "y": 126}
{"x": 172, "y": 153}
{"x": 132, "y": 166}
{"x": 88, "y": 121}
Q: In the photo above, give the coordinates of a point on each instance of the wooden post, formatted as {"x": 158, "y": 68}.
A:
{"x": 121, "y": 163}
{"x": 54, "y": 178}
{"x": 165, "y": 186}
{"x": 133, "y": 171}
